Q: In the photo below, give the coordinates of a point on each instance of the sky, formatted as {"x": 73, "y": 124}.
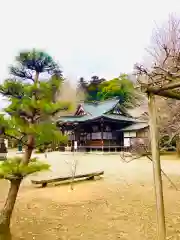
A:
{"x": 86, "y": 37}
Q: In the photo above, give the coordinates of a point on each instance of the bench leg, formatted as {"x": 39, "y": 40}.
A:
{"x": 44, "y": 185}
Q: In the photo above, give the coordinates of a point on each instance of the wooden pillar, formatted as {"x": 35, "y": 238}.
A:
{"x": 76, "y": 131}
{"x": 102, "y": 130}
{"x": 61, "y": 146}
{"x": 161, "y": 231}
{"x": 178, "y": 145}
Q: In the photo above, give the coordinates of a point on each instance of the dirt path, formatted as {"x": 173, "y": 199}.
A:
{"x": 121, "y": 206}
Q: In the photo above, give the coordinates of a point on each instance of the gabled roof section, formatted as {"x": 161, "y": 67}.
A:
{"x": 94, "y": 110}
{"x": 80, "y": 110}
{"x": 100, "y": 108}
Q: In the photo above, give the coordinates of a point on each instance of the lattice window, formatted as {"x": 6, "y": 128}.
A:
{"x": 107, "y": 135}
{"x": 96, "y": 135}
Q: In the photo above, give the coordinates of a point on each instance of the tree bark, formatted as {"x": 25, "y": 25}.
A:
{"x": 28, "y": 150}
{"x": 157, "y": 169}
{"x": 5, "y": 214}
{"x": 178, "y": 145}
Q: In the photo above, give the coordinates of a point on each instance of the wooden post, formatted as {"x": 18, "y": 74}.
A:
{"x": 102, "y": 135}
{"x": 161, "y": 231}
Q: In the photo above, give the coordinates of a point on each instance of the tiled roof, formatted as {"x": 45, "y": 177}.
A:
{"x": 87, "y": 117}
{"x": 92, "y": 110}
{"x": 97, "y": 110}
{"x": 75, "y": 118}
{"x": 135, "y": 126}
{"x": 120, "y": 118}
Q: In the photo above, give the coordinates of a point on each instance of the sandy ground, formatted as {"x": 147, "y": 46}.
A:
{"x": 119, "y": 206}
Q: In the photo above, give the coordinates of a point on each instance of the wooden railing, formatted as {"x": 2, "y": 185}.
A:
{"x": 96, "y": 143}
{"x": 106, "y": 148}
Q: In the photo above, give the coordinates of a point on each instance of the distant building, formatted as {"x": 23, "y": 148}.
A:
{"x": 102, "y": 126}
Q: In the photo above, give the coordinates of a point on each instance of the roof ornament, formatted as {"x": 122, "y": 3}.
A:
{"x": 80, "y": 111}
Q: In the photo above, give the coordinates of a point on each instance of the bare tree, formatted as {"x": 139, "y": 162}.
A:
{"x": 161, "y": 78}
{"x": 164, "y": 73}
{"x": 73, "y": 163}
{"x": 165, "y": 55}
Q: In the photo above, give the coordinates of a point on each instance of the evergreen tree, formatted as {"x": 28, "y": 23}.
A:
{"x": 31, "y": 110}
{"x": 82, "y": 85}
{"x": 93, "y": 88}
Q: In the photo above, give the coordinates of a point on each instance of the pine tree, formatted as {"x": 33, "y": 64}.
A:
{"x": 28, "y": 119}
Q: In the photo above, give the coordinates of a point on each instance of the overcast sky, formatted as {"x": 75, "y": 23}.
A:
{"x": 103, "y": 37}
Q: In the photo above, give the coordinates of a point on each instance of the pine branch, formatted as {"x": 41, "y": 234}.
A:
{"x": 18, "y": 139}
{"x": 59, "y": 110}
{"x": 21, "y": 73}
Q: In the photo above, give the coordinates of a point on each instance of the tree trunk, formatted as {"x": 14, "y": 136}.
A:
{"x": 178, "y": 146}
{"x": 28, "y": 150}
{"x": 5, "y": 214}
{"x": 3, "y": 149}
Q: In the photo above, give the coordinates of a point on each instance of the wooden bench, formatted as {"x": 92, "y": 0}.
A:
{"x": 88, "y": 176}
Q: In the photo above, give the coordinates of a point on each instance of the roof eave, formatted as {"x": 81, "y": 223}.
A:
{"x": 129, "y": 129}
